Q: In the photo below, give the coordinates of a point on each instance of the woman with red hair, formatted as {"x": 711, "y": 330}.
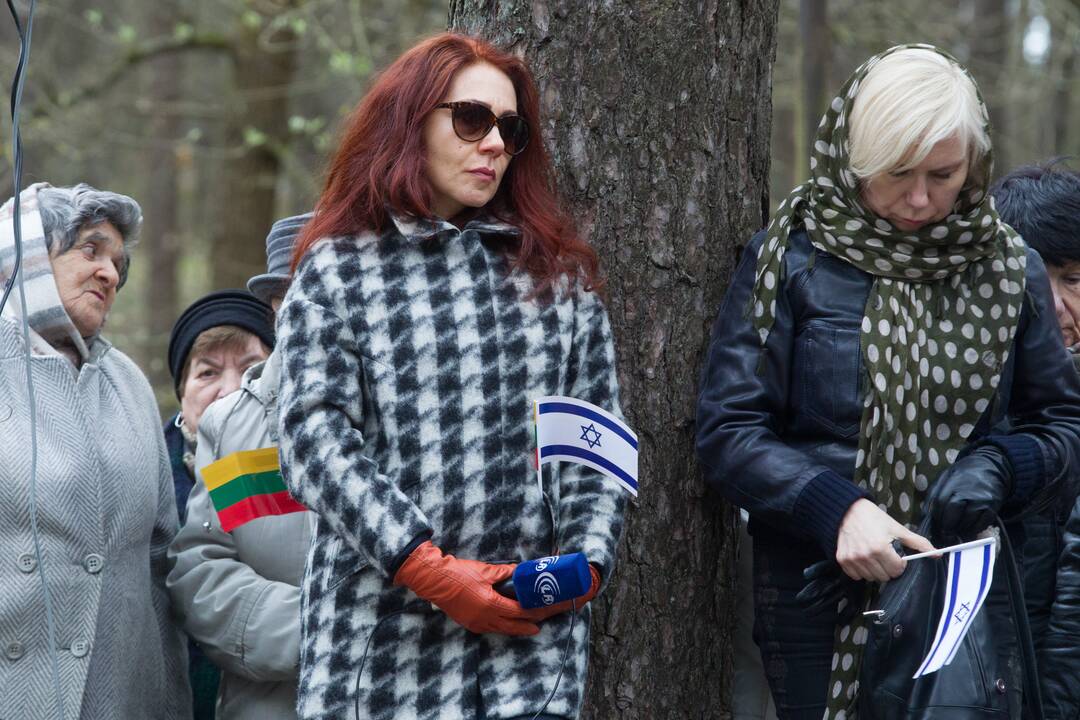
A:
{"x": 438, "y": 289}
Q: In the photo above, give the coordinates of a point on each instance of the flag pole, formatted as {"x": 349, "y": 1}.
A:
{"x": 952, "y": 548}
{"x": 536, "y": 441}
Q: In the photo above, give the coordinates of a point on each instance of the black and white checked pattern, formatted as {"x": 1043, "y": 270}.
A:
{"x": 410, "y": 362}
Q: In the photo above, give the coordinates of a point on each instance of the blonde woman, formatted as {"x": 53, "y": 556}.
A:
{"x": 875, "y": 335}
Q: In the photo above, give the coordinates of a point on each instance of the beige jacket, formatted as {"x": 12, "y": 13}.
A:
{"x": 238, "y": 593}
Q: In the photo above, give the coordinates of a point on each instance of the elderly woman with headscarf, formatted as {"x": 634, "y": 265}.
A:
{"x": 86, "y": 503}
{"x": 873, "y": 338}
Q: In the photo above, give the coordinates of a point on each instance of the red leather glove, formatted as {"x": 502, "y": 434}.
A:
{"x": 544, "y": 613}
{"x": 463, "y": 590}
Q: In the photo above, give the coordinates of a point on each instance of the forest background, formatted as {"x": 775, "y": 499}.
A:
{"x": 217, "y": 115}
{"x": 674, "y": 126}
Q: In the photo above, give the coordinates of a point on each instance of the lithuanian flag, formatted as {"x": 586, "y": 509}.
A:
{"x": 248, "y": 485}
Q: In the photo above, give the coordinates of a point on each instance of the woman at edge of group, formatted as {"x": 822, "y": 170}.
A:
{"x": 437, "y": 291}
{"x": 873, "y": 337}
{"x": 105, "y": 506}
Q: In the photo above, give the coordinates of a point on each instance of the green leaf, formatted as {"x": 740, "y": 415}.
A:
{"x": 94, "y": 17}
{"x": 251, "y": 19}
{"x": 297, "y": 124}
{"x": 341, "y": 63}
{"x": 127, "y": 33}
{"x": 183, "y": 31}
{"x": 254, "y": 137}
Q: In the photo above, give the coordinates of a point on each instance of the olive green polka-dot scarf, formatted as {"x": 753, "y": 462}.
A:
{"x": 938, "y": 324}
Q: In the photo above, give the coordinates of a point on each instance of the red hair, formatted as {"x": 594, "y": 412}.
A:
{"x": 381, "y": 163}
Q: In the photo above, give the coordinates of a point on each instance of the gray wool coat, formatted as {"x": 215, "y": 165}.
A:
{"x": 409, "y": 366}
{"x": 238, "y": 593}
{"x": 106, "y": 515}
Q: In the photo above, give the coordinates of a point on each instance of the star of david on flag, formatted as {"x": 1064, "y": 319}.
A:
{"x": 573, "y": 430}
{"x": 971, "y": 570}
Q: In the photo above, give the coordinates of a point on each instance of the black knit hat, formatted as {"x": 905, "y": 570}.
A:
{"x": 224, "y": 307}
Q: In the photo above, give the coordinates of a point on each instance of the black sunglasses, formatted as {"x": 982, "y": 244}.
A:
{"x": 473, "y": 121}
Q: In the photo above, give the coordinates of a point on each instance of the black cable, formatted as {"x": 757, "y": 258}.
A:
{"x": 562, "y": 667}
{"x": 17, "y": 86}
{"x": 415, "y": 606}
{"x": 16, "y": 100}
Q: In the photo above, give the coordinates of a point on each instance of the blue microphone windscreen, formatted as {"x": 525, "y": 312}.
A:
{"x": 550, "y": 580}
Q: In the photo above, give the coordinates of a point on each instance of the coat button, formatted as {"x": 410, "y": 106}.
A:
{"x": 14, "y": 650}
{"x": 93, "y": 563}
{"x": 27, "y": 563}
{"x": 1001, "y": 686}
{"x": 79, "y": 648}
{"x": 897, "y": 631}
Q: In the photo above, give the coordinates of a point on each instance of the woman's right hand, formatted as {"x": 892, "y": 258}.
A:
{"x": 463, "y": 589}
{"x": 864, "y": 547}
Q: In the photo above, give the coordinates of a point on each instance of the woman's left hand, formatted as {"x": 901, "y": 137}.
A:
{"x": 864, "y": 547}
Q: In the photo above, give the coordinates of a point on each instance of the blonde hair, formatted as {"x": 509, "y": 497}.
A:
{"x": 908, "y": 102}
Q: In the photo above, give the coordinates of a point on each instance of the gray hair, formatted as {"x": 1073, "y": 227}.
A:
{"x": 67, "y": 210}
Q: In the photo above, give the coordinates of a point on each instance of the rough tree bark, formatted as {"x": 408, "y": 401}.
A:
{"x": 657, "y": 113}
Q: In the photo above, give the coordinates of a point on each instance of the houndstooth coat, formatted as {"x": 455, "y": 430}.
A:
{"x": 410, "y": 362}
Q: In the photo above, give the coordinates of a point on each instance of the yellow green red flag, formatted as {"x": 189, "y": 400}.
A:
{"x": 248, "y": 485}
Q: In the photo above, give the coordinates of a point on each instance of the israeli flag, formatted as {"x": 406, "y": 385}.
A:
{"x": 576, "y": 431}
{"x": 971, "y": 569}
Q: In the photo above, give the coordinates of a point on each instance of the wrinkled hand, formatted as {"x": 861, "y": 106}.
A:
{"x": 971, "y": 492}
{"x": 826, "y": 586}
{"x": 864, "y": 548}
{"x": 544, "y": 613}
{"x": 463, "y": 590}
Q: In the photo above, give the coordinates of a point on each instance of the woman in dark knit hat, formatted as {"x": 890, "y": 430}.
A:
{"x": 212, "y": 343}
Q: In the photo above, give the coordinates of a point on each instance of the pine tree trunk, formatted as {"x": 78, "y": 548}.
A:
{"x": 657, "y": 114}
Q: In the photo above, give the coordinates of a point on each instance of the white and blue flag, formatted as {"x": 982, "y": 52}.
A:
{"x": 573, "y": 430}
{"x": 971, "y": 569}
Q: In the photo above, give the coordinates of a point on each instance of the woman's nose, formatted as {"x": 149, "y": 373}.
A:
{"x": 230, "y": 382}
{"x": 918, "y": 195}
{"x": 108, "y": 273}
{"x": 492, "y": 143}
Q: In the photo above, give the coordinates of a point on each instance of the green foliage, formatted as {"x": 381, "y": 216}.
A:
{"x": 253, "y": 137}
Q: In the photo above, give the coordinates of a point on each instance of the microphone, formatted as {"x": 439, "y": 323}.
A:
{"x": 548, "y": 580}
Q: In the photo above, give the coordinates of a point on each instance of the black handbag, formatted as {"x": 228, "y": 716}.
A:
{"x": 976, "y": 684}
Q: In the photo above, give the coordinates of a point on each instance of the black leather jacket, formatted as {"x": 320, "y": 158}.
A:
{"x": 780, "y": 438}
{"x": 1059, "y": 655}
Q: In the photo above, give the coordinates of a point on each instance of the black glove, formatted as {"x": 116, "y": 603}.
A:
{"x": 971, "y": 492}
{"x": 826, "y": 586}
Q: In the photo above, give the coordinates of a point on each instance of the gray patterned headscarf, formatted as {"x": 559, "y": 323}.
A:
{"x": 936, "y": 332}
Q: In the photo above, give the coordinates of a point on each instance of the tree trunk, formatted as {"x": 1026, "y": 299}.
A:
{"x": 991, "y": 38}
{"x": 161, "y": 232}
{"x": 255, "y": 134}
{"x": 657, "y": 113}
{"x": 1063, "y": 52}
{"x": 814, "y": 36}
